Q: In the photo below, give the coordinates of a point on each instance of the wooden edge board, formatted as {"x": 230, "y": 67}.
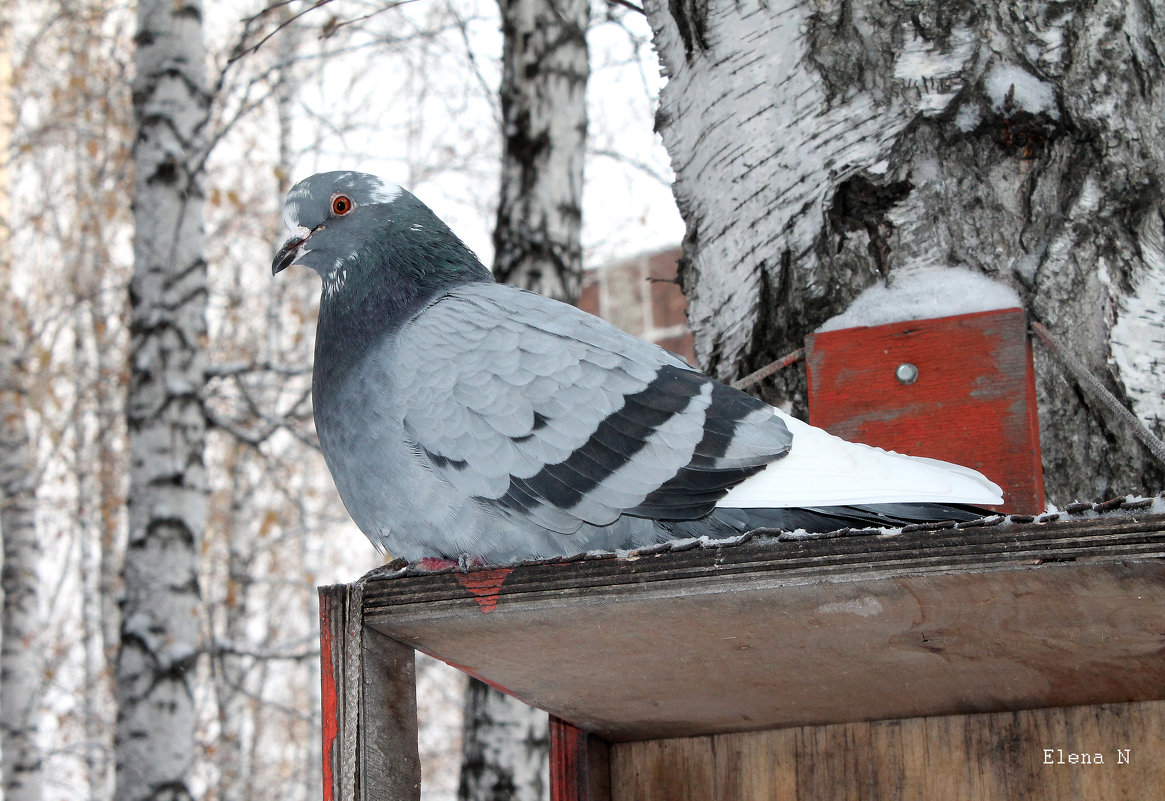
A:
{"x": 332, "y": 633}
{"x": 792, "y": 561}
{"x": 580, "y": 768}
{"x": 369, "y": 709}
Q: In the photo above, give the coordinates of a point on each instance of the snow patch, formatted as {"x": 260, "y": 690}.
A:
{"x": 925, "y": 294}
{"x": 1028, "y": 92}
{"x": 927, "y": 170}
{"x": 967, "y": 118}
{"x": 862, "y": 607}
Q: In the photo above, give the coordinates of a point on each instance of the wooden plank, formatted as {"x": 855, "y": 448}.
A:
{"x": 973, "y": 547}
{"x": 783, "y": 633}
{"x": 579, "y": 764}
{"x": 665, "y": 770}
{"x": 390, "y": 763}
{"x": 973, "y": 401}
{"x": 979, "y": 757}
{"x": 369, "y": 711}
{"x": 333, "y": 625}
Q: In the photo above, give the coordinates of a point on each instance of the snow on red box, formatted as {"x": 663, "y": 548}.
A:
{"x": 960, "y": 388}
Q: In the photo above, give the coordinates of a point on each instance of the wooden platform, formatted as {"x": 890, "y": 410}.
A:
{"x": 770, "y": 634}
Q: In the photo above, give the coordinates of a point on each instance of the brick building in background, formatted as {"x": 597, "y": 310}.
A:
{"x": 641, "y": 296}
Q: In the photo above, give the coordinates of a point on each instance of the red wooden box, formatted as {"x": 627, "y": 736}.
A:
{"x": 971, "y": 401}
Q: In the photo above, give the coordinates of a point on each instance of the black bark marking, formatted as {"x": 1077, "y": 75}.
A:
{"x": 860, "y": 204}
{"x": 691, "y": 18}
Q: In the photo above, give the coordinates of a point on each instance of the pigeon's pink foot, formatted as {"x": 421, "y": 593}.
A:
{"x": 434, "y": 563}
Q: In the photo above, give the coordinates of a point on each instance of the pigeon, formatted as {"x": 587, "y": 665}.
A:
{"x": 464, "y": 419}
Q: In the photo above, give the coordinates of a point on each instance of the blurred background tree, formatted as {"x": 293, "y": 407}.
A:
{"x": 410, "y": 91}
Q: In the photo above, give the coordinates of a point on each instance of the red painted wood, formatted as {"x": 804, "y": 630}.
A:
{"x": 973, "y": 403}
{"x": 580, "y": 768}
{"x": 329, "y": 695}
{"x": 567, "y": 758}
{"x": 484, "y": 585}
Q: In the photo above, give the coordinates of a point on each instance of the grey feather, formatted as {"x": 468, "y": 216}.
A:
{"x": 554, "y": 410}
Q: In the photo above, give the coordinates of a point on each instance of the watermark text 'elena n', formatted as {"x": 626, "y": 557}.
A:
{"x": 1058, "y": 756}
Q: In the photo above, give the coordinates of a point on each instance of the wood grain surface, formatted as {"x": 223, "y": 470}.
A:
{"x": 984, "y": 757}
{"x": 780, "y": 632}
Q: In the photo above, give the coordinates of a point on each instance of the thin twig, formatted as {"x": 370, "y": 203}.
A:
{"x": 242, "y": 368}
{"x": 226, "y": 649}
{"x": 628, "y": 4}
{"x": 331, "y": 28}
{"x": 770, "y": 368}
{"x": 240, "y": 51}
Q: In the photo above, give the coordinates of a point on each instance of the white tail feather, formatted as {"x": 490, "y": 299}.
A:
{"x": 824, "y": 470}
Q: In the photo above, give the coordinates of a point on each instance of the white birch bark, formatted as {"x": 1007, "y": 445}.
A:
{"x": 20, "y": 675}
{"x": 819, "y": 145}
{"x": 544, "y": 126}
{"x": 20, "y": 679}
{"x": 506, "y": 755}
{"x": 160, "y": 630}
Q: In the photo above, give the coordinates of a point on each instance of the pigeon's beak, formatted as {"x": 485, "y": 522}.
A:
{"x": 292, "y": 249}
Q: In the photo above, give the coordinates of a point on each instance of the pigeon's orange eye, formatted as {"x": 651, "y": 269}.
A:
{"x": 341, "y": 204}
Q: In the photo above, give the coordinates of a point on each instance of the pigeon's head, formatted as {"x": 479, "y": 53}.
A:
{"x": 352, "y": 222}
{"x": 322, "y": 212}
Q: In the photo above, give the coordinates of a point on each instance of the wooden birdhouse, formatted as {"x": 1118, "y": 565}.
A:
{"x": 1013, "y": 656}
{"x": 1017, "y": 658}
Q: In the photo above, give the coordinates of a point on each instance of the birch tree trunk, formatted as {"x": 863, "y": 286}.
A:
{"x": 537, "y": 245}
{"x": 160, "y": 630}
{"x": 544, "y": 128}
{"x": 505, "y": 751}
{"x": 20, "y": 676}
{"x": 821, "y": 145}
{"x": 20, "y": 652}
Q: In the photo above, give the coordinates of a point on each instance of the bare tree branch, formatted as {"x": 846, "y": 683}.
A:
{"x": 628, "y": 4}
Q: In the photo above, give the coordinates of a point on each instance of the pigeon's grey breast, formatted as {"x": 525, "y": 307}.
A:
{"x": 395, "y": 499}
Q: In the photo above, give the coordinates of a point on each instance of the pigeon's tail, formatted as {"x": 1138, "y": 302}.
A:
{"x": 822, "y": 471}
{"x": 821, "y": 519}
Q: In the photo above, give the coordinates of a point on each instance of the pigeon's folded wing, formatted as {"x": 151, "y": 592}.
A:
{"x": 548, "y": 413}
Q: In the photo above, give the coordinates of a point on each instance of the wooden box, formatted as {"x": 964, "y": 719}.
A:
{"x": 957, "y": 388}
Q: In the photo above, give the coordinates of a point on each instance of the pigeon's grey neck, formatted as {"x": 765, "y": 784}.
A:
{"x": 405, "y": 259}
